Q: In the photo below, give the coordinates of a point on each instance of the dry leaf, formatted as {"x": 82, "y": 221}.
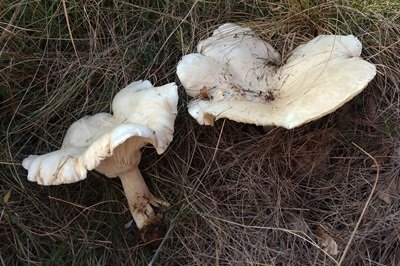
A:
{"x": 7, "y": 196}
{"x": 328, "y": 244}
{"x": 390, "y": 191}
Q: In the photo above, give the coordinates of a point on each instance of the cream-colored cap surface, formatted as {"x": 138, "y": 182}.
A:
{"x": 319, "y": 77}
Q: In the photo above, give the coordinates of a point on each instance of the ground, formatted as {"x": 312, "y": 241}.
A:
{"x": 240, "y": 194}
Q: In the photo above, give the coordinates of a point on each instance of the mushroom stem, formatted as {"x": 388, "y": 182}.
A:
{"x": 141, "y": 203}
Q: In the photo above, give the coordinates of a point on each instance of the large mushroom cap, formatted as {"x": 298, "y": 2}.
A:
{"x": 235, "y": 75}
{"x": 111, "y": 143}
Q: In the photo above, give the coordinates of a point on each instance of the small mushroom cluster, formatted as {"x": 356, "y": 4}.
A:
{"x": 234, "y": 75}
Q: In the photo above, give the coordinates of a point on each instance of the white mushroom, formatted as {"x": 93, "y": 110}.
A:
{"x": 111, "y": 145}
{"x": 236, "y": 75}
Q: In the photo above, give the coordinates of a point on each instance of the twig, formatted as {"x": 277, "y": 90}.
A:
{"x": 69, "y": 29}
{"x": 7, "y": 30}
{"x": 365, "y": 206}
{"x": 216, "y": 148}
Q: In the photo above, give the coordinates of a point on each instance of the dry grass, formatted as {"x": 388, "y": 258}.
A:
{"x": 241, "y": 194}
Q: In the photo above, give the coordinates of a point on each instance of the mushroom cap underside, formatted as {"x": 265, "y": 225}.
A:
{"x": 70, "y": 164}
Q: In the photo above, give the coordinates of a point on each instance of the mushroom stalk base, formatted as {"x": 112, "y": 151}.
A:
{"x": 141, "y": 203}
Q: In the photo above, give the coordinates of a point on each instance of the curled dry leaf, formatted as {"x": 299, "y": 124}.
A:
{"x": 328, "y": 244}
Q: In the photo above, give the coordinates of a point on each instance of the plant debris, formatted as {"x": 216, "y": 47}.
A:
{"x": 328, "y": 244}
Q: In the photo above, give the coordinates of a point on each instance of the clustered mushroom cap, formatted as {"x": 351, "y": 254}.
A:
{"x": 236, "y": 75}
{"x": 109, "y": 143}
